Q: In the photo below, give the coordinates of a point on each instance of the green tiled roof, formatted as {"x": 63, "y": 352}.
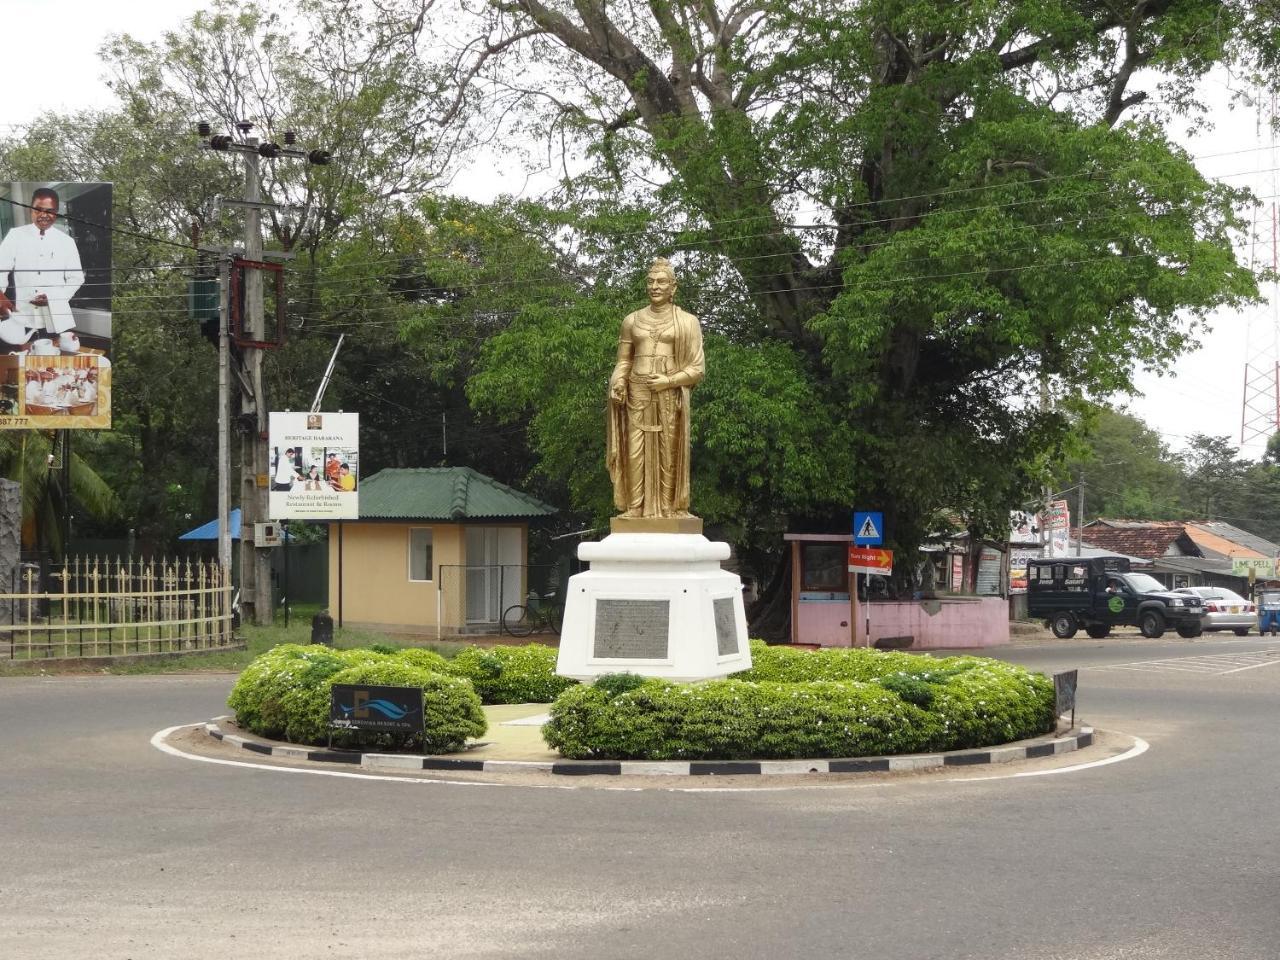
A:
{"x": 443, "y": 493}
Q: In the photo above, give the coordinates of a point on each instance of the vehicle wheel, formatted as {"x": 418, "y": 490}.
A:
{"x": 555, "y": 619}
{"x": 1189, "y": 630}
{"x": 1151, "y": 623}
{"x": 1098, "y": 630}
{"x": 1064, "y": 626}
{"x": 1242, "y": 631}
{"x": 515, "y": 620}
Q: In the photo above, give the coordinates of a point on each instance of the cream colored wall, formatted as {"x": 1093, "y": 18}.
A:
{"x": 376, "y": 587}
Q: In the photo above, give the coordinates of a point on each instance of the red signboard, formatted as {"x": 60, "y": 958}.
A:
{"x": 870, "y": 560}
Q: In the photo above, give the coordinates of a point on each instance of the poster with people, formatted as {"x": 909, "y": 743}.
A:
{"x": 315, "y": 466}
{"x": 55, "y": 305}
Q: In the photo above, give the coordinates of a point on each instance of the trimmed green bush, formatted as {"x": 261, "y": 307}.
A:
{"x": 735, "y": 719}
{"x": 798, "y": 704}
{"x": 426, "y": 659}
{"x": 259, "y": 693}
{"x": 451, "y": 709}
{"x": 512, "y": 674}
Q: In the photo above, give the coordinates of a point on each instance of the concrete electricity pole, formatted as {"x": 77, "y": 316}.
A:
{"x": 256, "y": 593}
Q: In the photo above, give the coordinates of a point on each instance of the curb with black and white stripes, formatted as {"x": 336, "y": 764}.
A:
{"x": 1029, "y": 750}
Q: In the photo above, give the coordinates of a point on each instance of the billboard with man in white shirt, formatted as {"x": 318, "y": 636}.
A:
{"x": 55, "y": 305}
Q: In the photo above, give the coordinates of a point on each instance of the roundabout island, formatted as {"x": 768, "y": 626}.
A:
{"x": 794, "y": 712}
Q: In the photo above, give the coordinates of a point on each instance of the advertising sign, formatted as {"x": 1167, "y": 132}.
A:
{"x": 1019, "y": 557}
{"x": 1057, "y": 521}
{"x": 1024, "y": 527}
{"x": 315, "y": 466}
{"x": 872, "y": 560}
{"x": 55, "y": 305}
{"x": 1264, "y": 568}
{"x": 370, "y": 707}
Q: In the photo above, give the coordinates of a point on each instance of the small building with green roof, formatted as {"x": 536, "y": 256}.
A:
{"x": 440, "y": 551}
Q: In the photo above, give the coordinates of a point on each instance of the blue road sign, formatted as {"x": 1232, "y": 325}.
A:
{"x": 868, "y": 528}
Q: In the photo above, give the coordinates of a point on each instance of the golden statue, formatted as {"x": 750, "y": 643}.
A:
{"x": 659, "y": 363}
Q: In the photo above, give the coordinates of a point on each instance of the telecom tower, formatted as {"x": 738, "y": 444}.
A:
{"x": 1260, "y": 413}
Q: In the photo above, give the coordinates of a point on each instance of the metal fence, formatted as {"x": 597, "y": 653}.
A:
{"x": 95, "y": 607}
{"x": 472, "y": 599}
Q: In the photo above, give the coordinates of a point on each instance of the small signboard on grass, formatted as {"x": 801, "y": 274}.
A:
{"x": 375, "y": 708}
{"x": 1064, "y": 695}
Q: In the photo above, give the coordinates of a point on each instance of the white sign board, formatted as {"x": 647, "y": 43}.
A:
{"x": 315, "y": 466}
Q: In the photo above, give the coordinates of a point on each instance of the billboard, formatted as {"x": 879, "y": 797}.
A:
{"x": 1057, "y": 520}
{"x": 55, "y": 305}
{"x": 1019, "y": 562}
{"x": 315, "y": 466}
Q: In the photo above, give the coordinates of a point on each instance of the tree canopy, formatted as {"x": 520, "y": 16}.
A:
{"x": 919, "y": 234}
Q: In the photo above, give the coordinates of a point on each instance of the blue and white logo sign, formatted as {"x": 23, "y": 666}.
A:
{"x": 868, "y": 528}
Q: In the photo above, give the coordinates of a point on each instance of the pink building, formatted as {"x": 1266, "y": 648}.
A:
{"x": 825, "y": 610}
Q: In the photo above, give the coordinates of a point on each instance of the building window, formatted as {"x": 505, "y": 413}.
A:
{"x": 420, "y": 553}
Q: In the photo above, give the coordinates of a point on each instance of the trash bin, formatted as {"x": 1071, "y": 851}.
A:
{"x": 322, "y": 628}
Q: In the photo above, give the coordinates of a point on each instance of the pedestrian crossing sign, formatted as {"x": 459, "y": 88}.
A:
{"x": 868, "y": 528}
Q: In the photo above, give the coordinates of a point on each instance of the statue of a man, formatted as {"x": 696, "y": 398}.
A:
{"x": 659, "y": 363}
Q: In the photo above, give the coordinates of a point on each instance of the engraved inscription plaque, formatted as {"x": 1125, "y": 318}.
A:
{"x": 726, "y": 626}
{"x": 632, "y": 629}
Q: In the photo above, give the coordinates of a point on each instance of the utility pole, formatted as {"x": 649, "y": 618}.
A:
{"x": 1080, "y": 515}
{"x": 256, "y": 600}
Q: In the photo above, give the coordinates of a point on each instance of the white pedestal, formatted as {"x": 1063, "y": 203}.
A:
{"x": 654, "y": 604}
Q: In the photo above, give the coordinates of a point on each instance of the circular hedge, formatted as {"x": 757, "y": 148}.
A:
{"x": 800, "y": 704}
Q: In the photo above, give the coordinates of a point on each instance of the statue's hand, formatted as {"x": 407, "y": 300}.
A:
{"x": 659, "y": 381}
{"x": 618, "y": 392}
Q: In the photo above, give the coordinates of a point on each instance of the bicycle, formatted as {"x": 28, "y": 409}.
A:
{"x": 520, "y": 620}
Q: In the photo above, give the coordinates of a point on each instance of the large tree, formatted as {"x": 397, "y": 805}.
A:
{"x": 916, "y": 225}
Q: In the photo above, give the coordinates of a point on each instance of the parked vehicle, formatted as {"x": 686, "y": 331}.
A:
{"x": 1268, "y": 611}
{"x": 1099, "y": 593}
{"x": 1224, "y": 609}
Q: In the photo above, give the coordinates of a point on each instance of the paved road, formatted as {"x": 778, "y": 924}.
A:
{"x": 112, "y": 849}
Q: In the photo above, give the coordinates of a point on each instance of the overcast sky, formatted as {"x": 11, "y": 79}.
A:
{"x": 1203, "y": 397}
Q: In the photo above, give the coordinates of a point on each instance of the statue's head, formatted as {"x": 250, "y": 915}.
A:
{"x": 661, "y": 282}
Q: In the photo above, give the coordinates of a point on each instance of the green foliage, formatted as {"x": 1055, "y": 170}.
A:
{"x": 384, "y": 648}
{"x": 615, "y": 683}
{"x": 451, "y": 710}
{"x": 735, "y": 719}
{"x": 798, "y": 704}
{"x": 424, "y": 659}
{"x": 285, "y": 693}
{"x": 993, "y": 703}
{"x": 512, "y": 674}
{"x": 988, "y": 202}
{"x": 258, "y": 697}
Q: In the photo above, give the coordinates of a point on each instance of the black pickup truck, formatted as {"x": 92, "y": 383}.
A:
{"x": 1098, "y": 593}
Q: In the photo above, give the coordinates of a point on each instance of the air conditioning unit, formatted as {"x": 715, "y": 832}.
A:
{"x": 266, "y": 534}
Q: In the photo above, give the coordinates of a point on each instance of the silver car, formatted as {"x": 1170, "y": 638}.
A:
{"x": 1224, "y": 609}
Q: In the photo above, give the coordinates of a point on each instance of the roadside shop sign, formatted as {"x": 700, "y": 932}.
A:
{"x": 871, "y": 560}
{"x": 1264, "y": 568}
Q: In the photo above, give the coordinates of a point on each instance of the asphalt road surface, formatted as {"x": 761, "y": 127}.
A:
{"x": 112, "y": 849}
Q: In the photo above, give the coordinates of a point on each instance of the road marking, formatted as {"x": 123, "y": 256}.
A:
{"x": 1207, "y": 664}
{"x": 1139, "y": 747}
{"x": 159, "y": 739}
